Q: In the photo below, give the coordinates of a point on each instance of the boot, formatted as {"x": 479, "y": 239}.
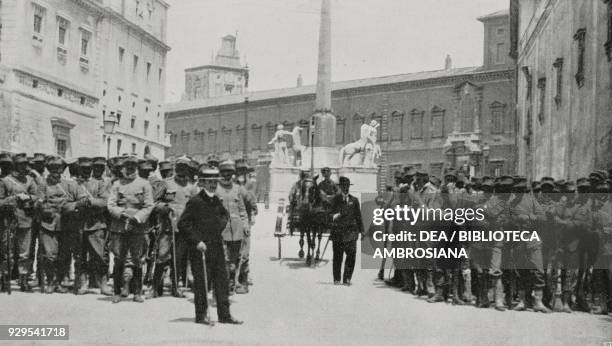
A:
{"x": 483, "y": 291}
{"x": 498, "y": 288}
{"x": 80, "y": 286}
{"x": 50, "y": 282}
{"x": 521, "y": 304}
{"x": 157, "y": 286}
{"x": 381, "y": 275}
{"x": 176, "y": 292}
{"x": 59, "y": 288}
{"x": 600, "y": 304}
{"x": 557, "y": 304}
{"x": 24, "y": 286}
{"x": 538, "y": 305}
{"x": 467, "y": 285}
{"x": 127, "y": 279}
{"x": 437, "y": 297}
{"x": 567, "y": 301}
{"x": 407, "y": 280}
{"x": 455, "y": 290}
{"x": 103, "y": 284}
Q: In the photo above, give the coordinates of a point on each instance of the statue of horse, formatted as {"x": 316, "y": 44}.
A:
{"x": 309, "y": 217}
{"x": 349, "y": 151}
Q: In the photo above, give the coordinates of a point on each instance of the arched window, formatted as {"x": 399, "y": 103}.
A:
{"x": 397, "y": 126}
{"x": 437, "y": 122}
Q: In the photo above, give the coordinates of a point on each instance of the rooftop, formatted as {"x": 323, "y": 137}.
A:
{"x": 310, "y": 89}
{"x": 502, "y": 13}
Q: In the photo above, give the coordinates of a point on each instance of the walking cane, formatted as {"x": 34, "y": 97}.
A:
{"x": 206, "y": 288}
{"x": 325, "y": 248}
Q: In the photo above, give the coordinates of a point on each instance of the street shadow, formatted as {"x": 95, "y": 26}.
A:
{"x": 183, "y": 319}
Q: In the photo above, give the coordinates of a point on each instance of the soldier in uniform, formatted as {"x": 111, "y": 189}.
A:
{"x": 91, "y": 244}
{"x": 6, "y": 213}
{"x": 167, "y": 214}
{"x": 203, "y": 222}
{"x": 348, "y": 226}
{"x": 602, "y": 268}
{"x": 130, "y": 203}
{"x": 21, "y": 192}
{"x": 235, "y": 200}
{"x": 251, "y": 204}
{"x": 212, "y": 161}
{"x": 59, "y": 198}
{"x": 527, "y": 214}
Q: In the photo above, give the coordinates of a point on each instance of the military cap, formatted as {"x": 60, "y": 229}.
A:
{"x": 30, "y": 159}
{"x": 227, "y": 165}
{"x": 422, "y": 173}
{"x": 72, "y": 161}
{"x": 487, "y": 181}
{"x": 116, "y": 161}
{"x": 325, "y": 169}
{"x": 84, "y": 162}
{"x": 145, "y": 165}
{"x": 131, "y": 159}
{"x": 55, "y": 161}
{"x": 450, "y": 173}
{"x": 506, "y": 180}
{"x": 520, "y": 182}
{"x": 6, "y": 158}
{"x": 583, "y": 182}
{"x": 569, "y": 186}
{"x": 547, "y": 183}
{"x": 208, "y": 173}
{"x": 560, "y": 182}
{"x": 212, "y": 158}
{"x": 536, "y": 186}
{"x": 241, "y": 164}
{"x": 344, "y": 181}
{"x": 165, "y": 166}
{"x": 598, "y": 175}
{"x": 98, "y": 161}
{"x": 550, "y": 179}
{"x": 602, "y": 187}
{"x": 39, "y": 157}
{"x": 409, "y": 171}
{"x": 20, "y": 158}
{"x": 194, "y": 165}
{"x": 183, "y": 160}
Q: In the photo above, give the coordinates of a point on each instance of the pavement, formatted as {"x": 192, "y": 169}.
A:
{"x": 291, "y": 303}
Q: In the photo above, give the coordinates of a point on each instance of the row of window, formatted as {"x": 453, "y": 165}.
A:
{"x": 133, "y": 121}
{"x": 63, "y": 33}
{"x": 136, "y": 66}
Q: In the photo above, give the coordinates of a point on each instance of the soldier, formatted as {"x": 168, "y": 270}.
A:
{"x": 480, "y": 252}
{"x": 59, "y": 198}
{"x": 242, "y": 168}
{"x": 602, "y": 217}
{"x": 212, "y": 161}
{"x": 21, "y": 192}
{"x": 527, "y": 214}
{"x": 130, "y": 203}
{"x": 235, "y": 200}
{"x": 167, "y": 213}
{"x": 203, "y": 222}
{"x": 91, "y": 242}
{"x": 6, "y": 212}
{"x": 347, "y": 228}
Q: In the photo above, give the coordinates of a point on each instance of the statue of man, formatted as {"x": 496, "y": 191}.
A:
{"x": 368, "y": 134}
{"x": 280, "y": 144}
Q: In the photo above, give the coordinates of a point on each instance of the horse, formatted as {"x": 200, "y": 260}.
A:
{"x": 310, "y": 218}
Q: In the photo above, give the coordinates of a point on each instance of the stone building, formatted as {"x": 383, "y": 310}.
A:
{"x": 58, "y": 81}
{"x": 48, "y": 73}
{"x": 224, "y": 76}
{"x": 461, "y": 117}
{"x": 132, "y": 81}
{"x": 564, "y": 57}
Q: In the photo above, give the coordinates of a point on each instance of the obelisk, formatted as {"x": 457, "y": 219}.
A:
{"x": 324, "y": 139}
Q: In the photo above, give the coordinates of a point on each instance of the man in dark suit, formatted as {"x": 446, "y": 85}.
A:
{"x": 202, "y": 222}
{"x": 346, "y": 229}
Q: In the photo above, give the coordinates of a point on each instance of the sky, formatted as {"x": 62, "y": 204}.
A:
{"x": 370, "y": 38}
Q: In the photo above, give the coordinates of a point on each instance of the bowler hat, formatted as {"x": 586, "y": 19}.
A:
{"x": 165, "y": 166}
{"x": 208, "y": 173}
{"x": 344, "y": 181}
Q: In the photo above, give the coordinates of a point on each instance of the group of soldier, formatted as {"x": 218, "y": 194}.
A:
{"x": 569, "y": 269}
{"x": 89, "y": 213}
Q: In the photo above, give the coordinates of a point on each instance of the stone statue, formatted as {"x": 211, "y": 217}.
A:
{"x": 281, "y": 156}
{"x": 364, "y": 151}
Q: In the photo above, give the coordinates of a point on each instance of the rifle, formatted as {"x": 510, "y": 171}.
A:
{"x": 156, "y": 230}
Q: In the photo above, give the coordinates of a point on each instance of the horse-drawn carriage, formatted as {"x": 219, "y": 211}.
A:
{"x": 304, "y": 214}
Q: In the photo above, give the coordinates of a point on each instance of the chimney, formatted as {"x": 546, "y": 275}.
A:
{"x": 300, "y": 81}
{"x": 448, "y": 62}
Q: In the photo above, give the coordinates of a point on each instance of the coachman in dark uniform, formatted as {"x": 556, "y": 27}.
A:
{"x": 202, "y": 222}
{"x": 346, "y": 229}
